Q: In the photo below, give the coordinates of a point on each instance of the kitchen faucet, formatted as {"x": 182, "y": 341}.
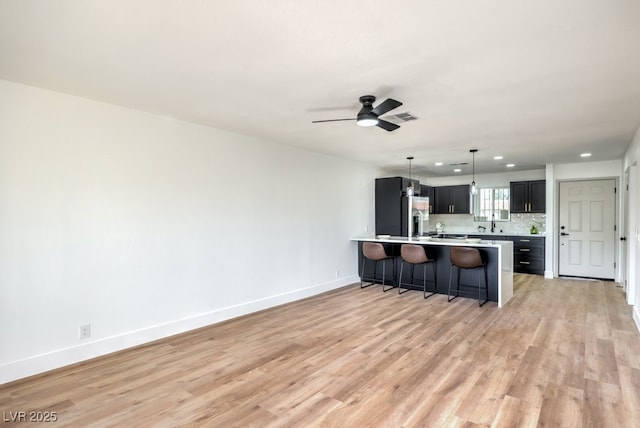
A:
{"x": 493, "y": 223}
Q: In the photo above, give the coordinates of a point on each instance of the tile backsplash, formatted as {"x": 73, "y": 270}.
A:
{"x": 464, "y": 223}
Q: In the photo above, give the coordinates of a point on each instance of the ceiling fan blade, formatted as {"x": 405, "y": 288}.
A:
{"x": 387, "y": 125}
{"x": 331, "y": 120}
{"x": 387, "y": 105}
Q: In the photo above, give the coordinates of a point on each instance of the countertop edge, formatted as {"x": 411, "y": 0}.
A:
{"x": 444, "y": 242}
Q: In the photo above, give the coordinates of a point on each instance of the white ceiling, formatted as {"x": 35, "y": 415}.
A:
{"x": 536, "y": 81}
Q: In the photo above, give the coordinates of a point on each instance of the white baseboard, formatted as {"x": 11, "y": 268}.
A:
{"x": 636, "y": 316}
{"x": 63, "y": 357}
{"x": 548, "y": 274}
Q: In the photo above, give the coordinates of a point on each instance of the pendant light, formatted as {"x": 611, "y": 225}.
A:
{"x": 474, "y": 188}
{"x": 410, "y": 186}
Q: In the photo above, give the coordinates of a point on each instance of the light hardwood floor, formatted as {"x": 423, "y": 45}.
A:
{"x": 562, "y": 353}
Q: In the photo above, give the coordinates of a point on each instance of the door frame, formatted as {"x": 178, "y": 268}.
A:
{"x": 624, "y": 230}
{"x": 616, "y": 217}
{"x": 630, "y": 233}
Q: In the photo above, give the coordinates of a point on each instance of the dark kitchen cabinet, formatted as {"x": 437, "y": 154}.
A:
{"x": 428, "y": 192}
{"x": 528, "y": 252}
{"x": 452, "y": 200}
{"x": 391, "y": 206}
{"x": 528, "y": 196}
{"x": 442, "y": 200}
{"x": 528, "y": 255}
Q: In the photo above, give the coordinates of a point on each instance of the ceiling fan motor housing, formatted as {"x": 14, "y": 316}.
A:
{"x": 365, "y": 112}
{"x": 367, "y": 101}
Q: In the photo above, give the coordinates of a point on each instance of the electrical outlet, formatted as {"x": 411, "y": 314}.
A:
{"x": 85, "y": 331}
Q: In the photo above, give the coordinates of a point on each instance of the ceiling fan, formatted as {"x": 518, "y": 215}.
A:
{"x": 369, "y": 115}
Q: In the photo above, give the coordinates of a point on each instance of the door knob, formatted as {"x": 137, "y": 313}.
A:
{"x": 564, "y": 234}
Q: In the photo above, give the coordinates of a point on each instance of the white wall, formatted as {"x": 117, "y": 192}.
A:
{"x": 633, "y": 238}
{"x": 145, "y": 226}
{"x": 587, "y": 170}
{"x": 577, "y": 171}
{"x": 550, "y": 265}
{"x": 486, "y": 180}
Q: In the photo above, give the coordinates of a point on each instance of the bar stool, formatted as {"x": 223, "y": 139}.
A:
{"x": 375, "y": 251}
{"x": 416, "y": 255}
{"x": 467, "y": 258}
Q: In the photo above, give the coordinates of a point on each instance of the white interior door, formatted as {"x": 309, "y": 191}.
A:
{"x": 587, "y": 229}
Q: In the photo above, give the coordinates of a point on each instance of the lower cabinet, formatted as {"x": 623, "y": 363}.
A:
{"x": 528, "y": 255}
{"x": 528, "y": 252}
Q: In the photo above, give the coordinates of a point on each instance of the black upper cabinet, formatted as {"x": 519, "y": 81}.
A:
{"x": 528, "y": 196}
{"x": 428, "y": 192}
{"x": 518, "y": 196}
{"x": 442, "y": 200}
{"x": 461, "y": 199}
{"x": 452, "y": 200}
{"x": 538, "y": 196}
{"x": 391, "y": 208}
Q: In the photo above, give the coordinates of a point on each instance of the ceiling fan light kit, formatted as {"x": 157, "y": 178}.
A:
{"x": 366, "y": 120}
{"x": 370, "y": 116}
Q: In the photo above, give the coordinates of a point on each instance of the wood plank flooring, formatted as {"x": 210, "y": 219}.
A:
{"x": 561, "y": 353}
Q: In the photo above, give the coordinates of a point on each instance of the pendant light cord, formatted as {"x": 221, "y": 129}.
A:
{"x": 410, "y": 186}
{"x": 409, "y": 158}
{"x": 473, "y": 173}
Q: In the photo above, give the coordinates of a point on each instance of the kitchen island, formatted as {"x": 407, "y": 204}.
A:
{"x": 499, "y": 256}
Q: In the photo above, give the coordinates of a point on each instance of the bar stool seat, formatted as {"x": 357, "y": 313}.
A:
{"x": 416, "y": 255}
{"x": 375, "y": 252}
{"x": 467, "y": 258}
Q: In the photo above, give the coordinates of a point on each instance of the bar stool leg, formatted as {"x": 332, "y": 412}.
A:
{"x": 364, "y": 263}
{"x": 400, "y": 291}
{"x": 479, "y": 298}
{"x": 486, "y": 284}
{"x": 449, "y": 298}
{"x": 375, "y": 272}
{"x": 424, "y": 279}
{"x": 435, "y": 279}
{"x": 486, "y": 288}
{"x": 384, "y": 276}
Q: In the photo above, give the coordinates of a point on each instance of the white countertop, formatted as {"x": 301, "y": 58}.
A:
{"x": 532, "y": 235}
{"x": 434, "y": 241}
{"x": 487, "y": 233}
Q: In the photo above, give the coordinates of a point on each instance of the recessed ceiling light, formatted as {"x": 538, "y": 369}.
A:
{"x": 511, "y": 165}
{"x": 585, "y": 155}
{"x": 457, "y": 170}
{"x": 497, "y": 157}
{"x": 438, "y": 163}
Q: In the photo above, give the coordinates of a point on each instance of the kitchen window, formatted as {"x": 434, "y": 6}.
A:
{"x": 491, "y": 203}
